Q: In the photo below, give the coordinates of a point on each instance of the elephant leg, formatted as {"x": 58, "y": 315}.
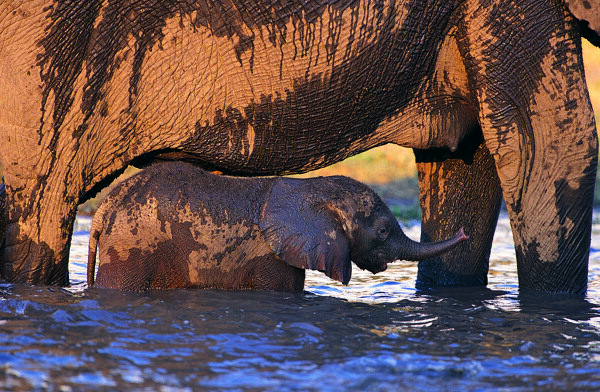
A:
{"x": 527, "y": 72}
{"x": 42, "y": 205}
{"x": 3, "y": 212}
{"x": 36, "y": 246}
{"x": 459, "y": 189}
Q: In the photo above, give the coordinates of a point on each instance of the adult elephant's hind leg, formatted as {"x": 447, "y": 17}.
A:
{"x": 459, "y": 189}
{"x": 538, "y": 124}
{"x": 3, "y": 212}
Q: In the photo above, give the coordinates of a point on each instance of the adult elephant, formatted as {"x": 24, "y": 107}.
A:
{"x": 491, "y": 94}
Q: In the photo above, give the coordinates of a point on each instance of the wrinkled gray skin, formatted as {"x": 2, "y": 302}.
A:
{"x": 491, "y": 95}
{"x": 174, "y": 225}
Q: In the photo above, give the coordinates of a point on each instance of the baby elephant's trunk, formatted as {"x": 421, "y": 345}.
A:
{"x": 416, "y": 251}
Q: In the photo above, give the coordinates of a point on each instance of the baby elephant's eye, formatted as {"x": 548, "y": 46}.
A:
{"x": 382, "y": 233}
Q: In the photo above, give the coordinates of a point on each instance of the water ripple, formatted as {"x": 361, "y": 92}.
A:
{"x": 378, "y": 333}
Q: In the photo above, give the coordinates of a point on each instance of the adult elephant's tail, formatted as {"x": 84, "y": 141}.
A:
{"x": 588, "y": 14}
{"x": 95, "y": 230}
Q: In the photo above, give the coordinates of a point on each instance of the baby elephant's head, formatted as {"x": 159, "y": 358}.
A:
{"x": 324, "y": 223}
{"x": 377, "y": 239}
{"x": 375, "y": 236}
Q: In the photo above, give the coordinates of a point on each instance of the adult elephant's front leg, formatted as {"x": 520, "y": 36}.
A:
{"x": 538, "y": 123}
{"x": 36, "y": 246}
{"x": 459, "y": 189}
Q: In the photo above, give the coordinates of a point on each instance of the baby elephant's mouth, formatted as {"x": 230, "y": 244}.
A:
{"x": 374, "y": 265}
{"x": 381, "y": 262}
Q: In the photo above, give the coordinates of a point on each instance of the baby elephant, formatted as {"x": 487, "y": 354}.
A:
{"x": 174, "y": 225}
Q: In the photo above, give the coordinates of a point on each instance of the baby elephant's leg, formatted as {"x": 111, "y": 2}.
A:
{"x": 143, "y": 270}
{"x": 272, "y": 273}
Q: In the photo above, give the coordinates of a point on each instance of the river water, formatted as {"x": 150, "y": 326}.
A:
{"x": 376, "y": 334}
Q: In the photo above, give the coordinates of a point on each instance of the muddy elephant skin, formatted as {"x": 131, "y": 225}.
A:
{"x": 491, "y": 94}
{"x": 174, "y": 225}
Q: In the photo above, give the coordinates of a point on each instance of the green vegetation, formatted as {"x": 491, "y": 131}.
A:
{"x": 407, "y": 213}
{"x": 402, "y": 196}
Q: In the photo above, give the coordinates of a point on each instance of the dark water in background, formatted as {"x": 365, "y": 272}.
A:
{"x": 377, "y": 334}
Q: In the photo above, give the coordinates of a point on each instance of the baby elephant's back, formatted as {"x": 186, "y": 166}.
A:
{"x": 180, "y": 186}
{"x": 181, "y": 225}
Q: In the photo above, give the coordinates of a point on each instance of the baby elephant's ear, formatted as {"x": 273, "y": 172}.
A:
{"x": 304, "y": 233}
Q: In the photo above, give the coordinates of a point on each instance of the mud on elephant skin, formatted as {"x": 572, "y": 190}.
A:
{"x": 174, "y": 225}
{"x": 491, "y": 93}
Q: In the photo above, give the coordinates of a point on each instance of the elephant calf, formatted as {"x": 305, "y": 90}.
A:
{"x": 174, "y": 225}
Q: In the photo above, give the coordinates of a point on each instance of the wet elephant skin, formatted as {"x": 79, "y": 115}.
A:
{"x": 287, "y": 87}
{"x": 174, "y": 225}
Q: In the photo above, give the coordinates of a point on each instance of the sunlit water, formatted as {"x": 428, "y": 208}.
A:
{"x": 376, "y": 334}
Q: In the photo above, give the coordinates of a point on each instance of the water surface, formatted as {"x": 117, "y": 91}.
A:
{"x": 377, "y": 334}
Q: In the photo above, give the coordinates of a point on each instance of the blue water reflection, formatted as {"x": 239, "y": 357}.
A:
{"x": 377, "y": 333}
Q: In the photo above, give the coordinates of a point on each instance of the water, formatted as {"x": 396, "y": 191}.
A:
{"x": 376, "y": 334}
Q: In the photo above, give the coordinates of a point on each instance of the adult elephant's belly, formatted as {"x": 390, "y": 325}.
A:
{"x": 295, "y": 132}
{"x": 287, "y": 100}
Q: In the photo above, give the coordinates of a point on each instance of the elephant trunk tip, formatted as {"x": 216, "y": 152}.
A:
{"x": 460, "y": 235}
{"x": 423, "y": 251}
